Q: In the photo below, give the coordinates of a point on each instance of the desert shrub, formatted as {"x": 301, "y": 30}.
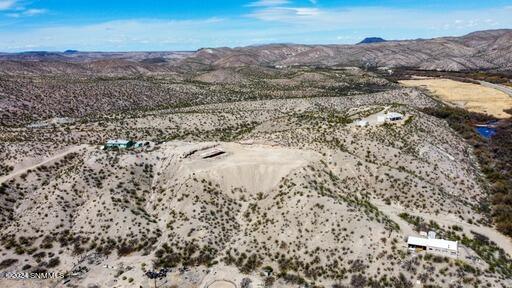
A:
{"x": 53, "y": 262}
{"x": 7, "y": 263}
{"x": 269, "y": 281}
{"x": 358, "y": 281}
{"x": 293, "y": 279}
{"x": 26, "y": 267}
{"x": 47, "y": 242}
{"x": 251, "y": 264}
{"x": 401, "y": 282}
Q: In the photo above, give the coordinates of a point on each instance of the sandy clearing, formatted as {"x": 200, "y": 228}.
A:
{"x": 222, "y": 284}
{"x": 473, "y": 97}
{"x": 258, "y": 168}
{"x": 222, "y": 276}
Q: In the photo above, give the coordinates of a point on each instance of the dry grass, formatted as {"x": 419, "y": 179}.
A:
{"x": 473, "y": 97}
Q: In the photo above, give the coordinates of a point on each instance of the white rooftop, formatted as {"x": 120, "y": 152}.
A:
{"x": 437, "y": 243}
{"x": 394, "y": 115}
{"x": 362, "y": 123}
{"x": 118, "y": 141}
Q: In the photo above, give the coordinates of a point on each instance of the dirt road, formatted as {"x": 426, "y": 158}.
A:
{"x": 45, "y": 161}
{"x": 502, "y": 88}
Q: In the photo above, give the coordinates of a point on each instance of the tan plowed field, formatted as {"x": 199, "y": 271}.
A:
{"x": 473, "y": 97}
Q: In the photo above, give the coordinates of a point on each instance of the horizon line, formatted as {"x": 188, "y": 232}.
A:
{"x": 74, "y": 51}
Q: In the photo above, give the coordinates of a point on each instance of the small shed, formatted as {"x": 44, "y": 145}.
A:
{"x": 393, "y": 116}
{"x": 435, "y": 246}
{"x": 362, "y": 123}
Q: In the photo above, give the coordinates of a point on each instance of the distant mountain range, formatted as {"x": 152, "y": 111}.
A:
{"x": 489, "y": 50}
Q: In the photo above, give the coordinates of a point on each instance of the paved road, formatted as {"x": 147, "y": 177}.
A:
{"x": 392, "y": 211}
{"x": 45, "y": 161}
{"x": 502, "y": 88}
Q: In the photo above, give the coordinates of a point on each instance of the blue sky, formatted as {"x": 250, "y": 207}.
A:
{"x": 150, "y": 25}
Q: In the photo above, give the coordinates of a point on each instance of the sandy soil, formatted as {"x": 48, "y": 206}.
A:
{"x": 256, "y": 167}
{"x": 221, "y": 284}
{"x": 300, "y": 185}
{"x": 473, "y": 97}
{"x": 34, "y": 163}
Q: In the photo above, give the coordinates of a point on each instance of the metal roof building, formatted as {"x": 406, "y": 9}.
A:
{"x": 119, "y": 143}
{"x": 435, "y": 246}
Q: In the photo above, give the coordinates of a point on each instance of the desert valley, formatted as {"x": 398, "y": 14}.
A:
{"x": 264, "y": 166}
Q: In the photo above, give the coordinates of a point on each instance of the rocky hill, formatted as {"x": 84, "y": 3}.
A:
{"x": 261, "y": 166}
{"x": 123, "y": 86}
{"x": 488, "y": 50}
{"x": 40, "y": 85}
{"x": 297, "y": 189}
{"x": 479, "y": 50}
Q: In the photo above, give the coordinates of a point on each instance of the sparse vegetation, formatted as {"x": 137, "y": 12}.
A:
{"x": 295, "y": 198}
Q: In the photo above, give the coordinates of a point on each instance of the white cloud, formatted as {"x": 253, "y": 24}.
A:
{"x": 383, "y": 18}
{"x": 269, "y": 24}
{"x": 285, "y": 14}
{"x": 267, "y": 3}
{"x": 7, "y": 4}
{"x": 33, "y": 12}
{"x": 305, "y": 11}
{"x": 28, "y": 13}
{"x": 16, "y": 9}
{"x": 120, "y": 35}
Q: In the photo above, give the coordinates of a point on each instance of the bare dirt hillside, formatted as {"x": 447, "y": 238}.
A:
{"x": 265, "y": 166}
{"x": 299, "y": 189}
